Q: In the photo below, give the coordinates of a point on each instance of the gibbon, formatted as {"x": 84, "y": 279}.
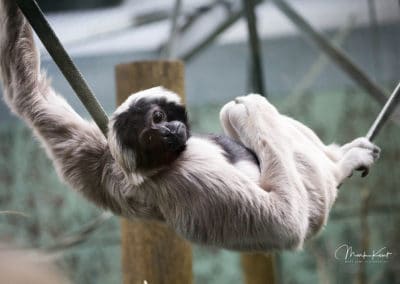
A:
{"x": 270, "y": 186}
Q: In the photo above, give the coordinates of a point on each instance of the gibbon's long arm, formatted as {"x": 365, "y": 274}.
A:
{"x": 201, "y": 194}
{"x": 64, "y": 133}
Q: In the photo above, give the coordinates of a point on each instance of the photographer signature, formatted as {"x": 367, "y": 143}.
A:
{"x": 346, "y": 253}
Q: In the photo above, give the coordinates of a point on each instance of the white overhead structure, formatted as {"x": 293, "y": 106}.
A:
{"x": 123, "y": 28}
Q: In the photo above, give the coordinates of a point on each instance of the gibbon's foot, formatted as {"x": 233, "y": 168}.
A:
{"x": 361, "y": 142}
{"x": 358, "y": 155}
{"x": 248, "y": 117}
{"x": 228, "y": 115}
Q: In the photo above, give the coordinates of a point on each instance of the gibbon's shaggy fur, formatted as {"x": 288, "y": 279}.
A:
{"x": 201, "y": 194}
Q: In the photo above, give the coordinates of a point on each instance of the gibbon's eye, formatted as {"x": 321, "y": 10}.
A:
{"x": 158, "y": 116}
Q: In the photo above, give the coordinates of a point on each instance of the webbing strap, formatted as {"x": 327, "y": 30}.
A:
{"x": 385, "y": 113}
{"x": 64, "y": 62}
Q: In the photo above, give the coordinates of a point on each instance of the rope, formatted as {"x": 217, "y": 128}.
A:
{"x": 64, "y": 62}
{"x": 35, "y": 17}
{"x": 385, "y": 113}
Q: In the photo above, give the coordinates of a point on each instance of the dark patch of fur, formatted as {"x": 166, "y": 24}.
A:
{"x": 234, "y": 151}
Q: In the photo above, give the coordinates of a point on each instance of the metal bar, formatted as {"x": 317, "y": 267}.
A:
{"x": 64, "y": 62}
{"x": 212, "y": 36}
{"x": 385, "y": 113}
{"x": 302, "y": 87}
{"x": 257, "y": 74}
{"x": 375, "y": 38}
{"x": 336, "y": 54}
{"x": 170, "y": 48}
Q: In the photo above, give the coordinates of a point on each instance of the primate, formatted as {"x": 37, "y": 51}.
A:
{"x": 270, "y": 186}
{"x": 149, "y": 131}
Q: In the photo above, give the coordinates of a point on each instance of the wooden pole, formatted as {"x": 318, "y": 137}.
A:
{"x": 151, "y": 252}
{"x": 258, "y": 268}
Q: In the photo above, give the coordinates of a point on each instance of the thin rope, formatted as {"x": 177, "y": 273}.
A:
{"x": 385, "y": 113}
{"x": 36, "y": 18}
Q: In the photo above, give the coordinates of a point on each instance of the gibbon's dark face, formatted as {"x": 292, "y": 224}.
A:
{"x": 156, "y": 129}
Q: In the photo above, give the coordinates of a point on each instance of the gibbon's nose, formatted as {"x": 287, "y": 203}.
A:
{"x": 175, "y": 127}
{"x": 177, "y": 137}
{"x": 164, "y": 130}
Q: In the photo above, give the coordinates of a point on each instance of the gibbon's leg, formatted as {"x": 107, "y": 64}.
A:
{"x": 332, "y": 151}
{"x": 245, "y": 118}
{"x": 255, "y": 112}
{"x": 363, "y": 152}
{"x": 259, "y": 126}
{"x": 292, "y": 158}
{"x": 77, "y": 147}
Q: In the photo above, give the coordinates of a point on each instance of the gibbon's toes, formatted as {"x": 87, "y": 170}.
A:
{"x": 370, "y": 155}
{"x": 234, "y": 117}
{"x": 362, "y": 142}
{"x": 365, "y": 143}
{"x": 251, "y": 98}
{"x": 238, "y": 100}
{"x": 224, "y": 117}
{"x": 376, "y": 154}
{"x": 257, "y": 105}
{"x": 364, "y": 170}
{"x": 359, "y": 159}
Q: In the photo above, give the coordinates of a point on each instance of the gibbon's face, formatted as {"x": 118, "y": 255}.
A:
{"x": 153, "y": 127}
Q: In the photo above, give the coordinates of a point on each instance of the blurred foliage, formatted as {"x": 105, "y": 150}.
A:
{"x": 28, "y": 184}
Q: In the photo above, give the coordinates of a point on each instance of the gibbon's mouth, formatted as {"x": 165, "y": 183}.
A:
{"x": 176, "y": 141}
{"x": 175, "y": 137}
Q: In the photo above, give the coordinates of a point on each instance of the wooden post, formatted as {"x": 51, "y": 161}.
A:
{"x": 151, "y": 252}
{"x": 258, "y": 268}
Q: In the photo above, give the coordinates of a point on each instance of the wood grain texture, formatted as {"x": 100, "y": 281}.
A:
{"x": 151, "y": 252}
{"x": 258, "y": 268}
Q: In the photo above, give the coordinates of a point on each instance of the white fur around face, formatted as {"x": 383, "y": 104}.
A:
{"x": 152, "y": 93}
